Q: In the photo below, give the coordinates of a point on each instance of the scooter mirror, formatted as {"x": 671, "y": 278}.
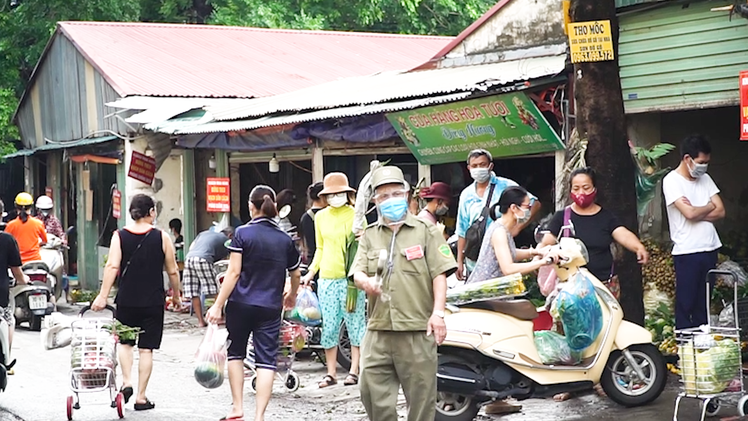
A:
{"x": 540, "y": 233}
{"x": 567, "y": 228}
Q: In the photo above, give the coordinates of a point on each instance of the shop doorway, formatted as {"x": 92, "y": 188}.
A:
{"x": 294, "y": 175}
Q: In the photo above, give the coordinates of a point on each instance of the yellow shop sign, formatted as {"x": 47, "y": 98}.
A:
{"x": 590, "y": 41}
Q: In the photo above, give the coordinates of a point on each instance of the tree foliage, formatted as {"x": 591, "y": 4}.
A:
{"x": 26, "y": 28}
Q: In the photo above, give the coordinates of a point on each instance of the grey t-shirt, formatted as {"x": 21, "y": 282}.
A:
{"x": 487, "y": 266}
{"x": 209, "y": 245}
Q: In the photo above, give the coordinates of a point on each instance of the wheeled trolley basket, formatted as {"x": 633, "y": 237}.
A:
{"x": 93, "y": 359}
{"x": 711, "y": 362}
{"x": 291, "y": 340}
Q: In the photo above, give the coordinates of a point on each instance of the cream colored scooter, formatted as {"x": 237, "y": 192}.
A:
{"x": 489, "y": 353}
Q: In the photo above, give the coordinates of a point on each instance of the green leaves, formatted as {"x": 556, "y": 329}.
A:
{"x": 654, "y": 153}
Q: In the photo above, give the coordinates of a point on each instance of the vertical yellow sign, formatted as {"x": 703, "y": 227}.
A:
{"x": 590, "y": 41}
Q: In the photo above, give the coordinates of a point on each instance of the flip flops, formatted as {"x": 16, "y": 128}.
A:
{"x": 241, "y": 418}
{"x": 351, "y": 380}
{"x": 126, "y": 393}
{"x": 144, "y": 406}
{"x": 327, "y": 381}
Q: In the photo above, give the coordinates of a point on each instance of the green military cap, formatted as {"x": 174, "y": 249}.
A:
{"x": 387, "y": 175}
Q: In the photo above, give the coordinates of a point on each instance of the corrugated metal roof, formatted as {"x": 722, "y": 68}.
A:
{"x": 62, "y": 145}
{"x": 627, "y": 3}
{"x": 193, "y": 126}
{"x": 392, "y": 86}
{"x": 222, "y": 61}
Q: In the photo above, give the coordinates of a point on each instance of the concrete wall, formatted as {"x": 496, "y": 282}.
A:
{"x": 519, "y": 24}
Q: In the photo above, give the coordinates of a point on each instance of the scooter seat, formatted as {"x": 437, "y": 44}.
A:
{"x": 520, "y": 309}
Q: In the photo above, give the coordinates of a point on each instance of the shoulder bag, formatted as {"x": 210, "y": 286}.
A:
{"x": 476, "y": 230}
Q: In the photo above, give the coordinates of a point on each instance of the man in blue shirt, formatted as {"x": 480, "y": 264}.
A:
{"x": 473, "y": 200}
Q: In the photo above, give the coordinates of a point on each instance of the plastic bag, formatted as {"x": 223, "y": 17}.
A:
{"x": 307, "y": 310}
{"x": 580, "y": 312}
{"x": 730, "y": 266}
{"x": 709, "y": 370}
{"x": 547, "y": 279}
{"x": 653, "y": 299}
{"x": 553, "y": 349}
{"x": 210, "y": 361}
{"x": 727, "y": 316}
{"x": 56, "y": 331}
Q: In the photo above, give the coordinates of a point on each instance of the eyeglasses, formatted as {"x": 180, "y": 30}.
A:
{"x": 397, "y": 194}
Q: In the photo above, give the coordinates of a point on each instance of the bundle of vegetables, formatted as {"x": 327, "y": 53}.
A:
{"x": 123, "y": 332}
{"x": 351, "y": 297}
{"x": 504, "y": 287}
{"x": 709, "y": 370}
{"x": 660, "y": 321}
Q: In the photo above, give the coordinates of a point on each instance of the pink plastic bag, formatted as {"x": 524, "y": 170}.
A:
{"x": 547, "y": 279}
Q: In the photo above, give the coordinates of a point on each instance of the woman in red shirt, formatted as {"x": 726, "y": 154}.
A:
{"x": 27, "y": 230}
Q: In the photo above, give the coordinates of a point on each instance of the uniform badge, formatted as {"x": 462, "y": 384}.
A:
{"x": 415, "y": 252}
{"x": 445, "y": 250}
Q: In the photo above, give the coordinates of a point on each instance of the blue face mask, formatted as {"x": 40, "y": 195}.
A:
{"x": 394, "y": 209}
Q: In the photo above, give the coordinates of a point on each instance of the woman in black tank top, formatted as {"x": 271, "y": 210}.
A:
{"x": 137, "y": 257}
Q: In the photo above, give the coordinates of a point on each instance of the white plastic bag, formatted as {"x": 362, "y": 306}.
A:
{"x": 56, "y": 331}
{"x": 211, "y": 357}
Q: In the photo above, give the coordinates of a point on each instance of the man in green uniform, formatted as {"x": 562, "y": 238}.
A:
{"x": 406, "y": 312}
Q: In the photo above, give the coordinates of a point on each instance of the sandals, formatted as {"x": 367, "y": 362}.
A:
{"x": 144, "y": 406}
{"x": 227, "y": 418}
{"x": 327, "y": 381}
{"x": 126, "y": 393}
{"x": 351, "y": 380}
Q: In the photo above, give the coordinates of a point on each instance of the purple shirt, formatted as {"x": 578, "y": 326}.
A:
{"x": 267, "y": 253}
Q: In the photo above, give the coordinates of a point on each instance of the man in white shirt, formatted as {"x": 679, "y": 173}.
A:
{"x": 693, "y": 204}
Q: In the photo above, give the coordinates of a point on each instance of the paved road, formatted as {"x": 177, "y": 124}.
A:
{"x": 38, "y": 390}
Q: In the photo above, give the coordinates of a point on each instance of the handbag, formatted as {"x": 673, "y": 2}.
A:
{"x": 547, "y": 278}
{"x": 476, "y": 230}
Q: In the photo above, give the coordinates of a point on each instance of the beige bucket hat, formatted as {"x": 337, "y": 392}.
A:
{"x": 336, "y": 182}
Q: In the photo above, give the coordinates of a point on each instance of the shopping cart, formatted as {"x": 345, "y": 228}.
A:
{"x": 291, "y": 340}
{"x": 93, "y": 360}
{"x": 711, "y": 362}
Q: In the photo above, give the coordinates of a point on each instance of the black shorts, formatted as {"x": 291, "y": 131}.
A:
{"x": 263, "y": 323}
{"x": 150, "y": 320}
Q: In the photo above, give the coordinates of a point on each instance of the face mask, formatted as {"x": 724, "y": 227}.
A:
{"x": 584, "y": 200}
{"x": 525, "y": 216}
{"x": 698, "y": 169}
{"x": 393, "y": 209}
{"x": 480, "y": 175}
{"x": 45, "y": 213}
{"x": 441, "y": 211}
{"x": 337, "y": 200}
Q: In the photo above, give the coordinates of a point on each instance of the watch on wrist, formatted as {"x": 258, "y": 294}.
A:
{"x": 438, "y": 313}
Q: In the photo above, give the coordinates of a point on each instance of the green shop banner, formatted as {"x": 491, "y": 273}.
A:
{"x": 505, "y": 125}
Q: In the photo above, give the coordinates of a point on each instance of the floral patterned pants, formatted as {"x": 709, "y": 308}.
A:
{"x": 332, "y": 297}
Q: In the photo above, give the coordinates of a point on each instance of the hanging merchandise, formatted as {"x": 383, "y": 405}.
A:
{"x": 580, "y": 312}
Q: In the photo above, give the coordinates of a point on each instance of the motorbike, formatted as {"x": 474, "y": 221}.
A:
{"x": 33, "y": 301}
{"x": 52, "y": 256}
{"x": 489, "y": 352}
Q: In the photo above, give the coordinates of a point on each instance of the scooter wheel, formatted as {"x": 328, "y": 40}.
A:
{"x": 454, "y": 407}
{"x": 253, "y": 384}
{"x": 292, "y": 381}
{"x": 621, "y": 383}
{"x": 120, "y": 402}
{"x": 743, "y": 406}
{"x": 70, "y": 408}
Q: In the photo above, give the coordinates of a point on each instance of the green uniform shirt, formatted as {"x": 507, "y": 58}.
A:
{"x": 421, "y": 254}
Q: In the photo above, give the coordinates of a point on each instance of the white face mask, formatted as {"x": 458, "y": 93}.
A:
{"x": 337, "y": 200}
{"x": 698, "y": 169}
{"x": 480, "y": 175}
{"x": 45, "y": 212}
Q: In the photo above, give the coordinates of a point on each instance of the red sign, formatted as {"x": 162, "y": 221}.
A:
{"x": 48, "y": 191}
{"x": 142, "y": 168}
{"x": 116, "y": 204}
{"x": 219, "y": 195}
{"x": 744, "y": 105}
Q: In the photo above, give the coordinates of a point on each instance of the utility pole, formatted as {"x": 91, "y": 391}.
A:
{"x": 601, "y": 120}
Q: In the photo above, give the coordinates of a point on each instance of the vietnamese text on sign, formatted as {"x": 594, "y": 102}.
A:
{"x": 116, "y": 204}
{"x": 590, "y": 41}
{"x": 142, "y": 168}
{"x": 219, "y": 194}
